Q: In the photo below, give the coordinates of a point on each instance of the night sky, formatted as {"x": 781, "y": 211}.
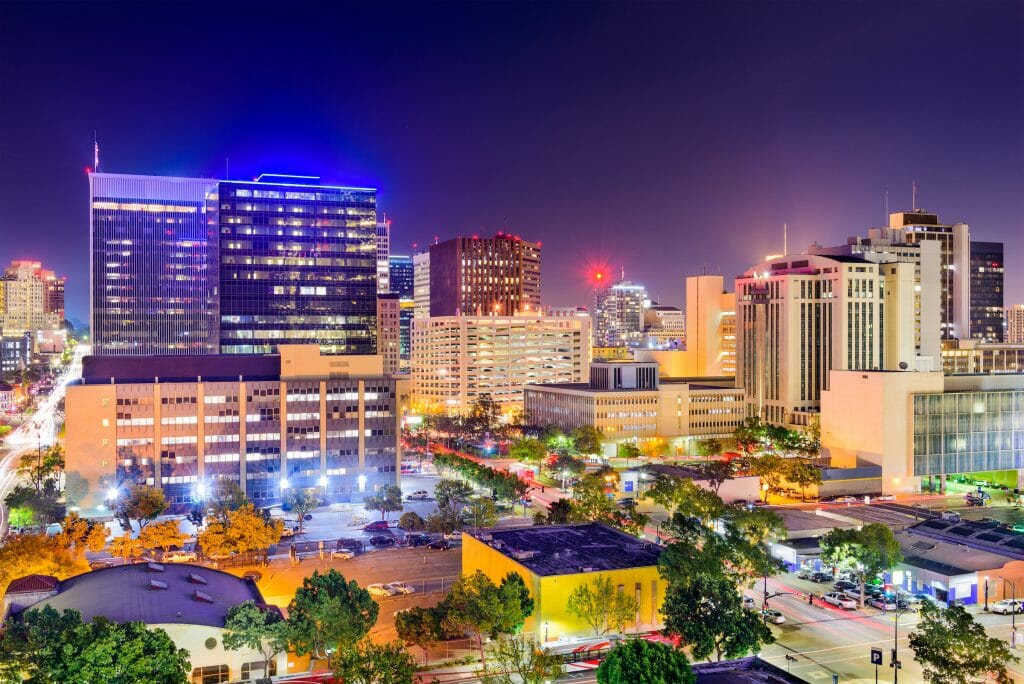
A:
{"x": 662, "y": 138}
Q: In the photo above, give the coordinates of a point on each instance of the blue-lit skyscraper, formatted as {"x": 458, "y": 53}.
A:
{"x": 154, "y": 267}
{"x": 400, "y": 271}
{"x": 298, "y": 265}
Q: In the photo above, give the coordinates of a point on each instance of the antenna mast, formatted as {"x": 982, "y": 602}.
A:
{"x": 95, "y": 153}
{"x": 885, "y": 218}
{"x": 913, "y": 195}
{"x": 785, "y": 239}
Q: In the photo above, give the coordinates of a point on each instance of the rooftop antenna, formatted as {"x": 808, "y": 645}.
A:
{"x": 227, "y": 168}
{"x": 622, "y": 271}
{"x": 95, "y": 153}
{"x": 913, "y": 195}
{"x": 785, "y": 239}
{"x": 885, "y": 194}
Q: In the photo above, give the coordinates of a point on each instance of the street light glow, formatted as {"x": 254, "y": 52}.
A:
{"x": 323, "y": 481}
{"x": 284, "y": 483}
{"x": 112, "y": 493}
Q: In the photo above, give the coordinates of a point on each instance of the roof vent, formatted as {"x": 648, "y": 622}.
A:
{"x": 202, "y": 596}
{"x": 587, "y": 568}
{"x": 522, "y": 555}
{"x": 157, "y": 584}
{"x": 485, "y": 536}
{"x": 196, "y": 578}
{"x": 154, "y": 567}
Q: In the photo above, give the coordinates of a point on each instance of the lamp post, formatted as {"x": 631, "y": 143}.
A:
{"x": 895, "y": 664}
{"x": 764, "y": 488}
{"x": 1013, "y": 612}
{"x": 986, "y": 593}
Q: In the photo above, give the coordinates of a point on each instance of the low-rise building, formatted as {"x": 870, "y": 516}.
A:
{"x": 458, "y": 359}
{"x": 974, "y": 356}
{"x": 189, "y": 602}
{"x": 627, "y": 401}
{"x": 555, "y": 560}
{"x": 296, "y": 419}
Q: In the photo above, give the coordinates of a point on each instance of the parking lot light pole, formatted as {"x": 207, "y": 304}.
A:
{"x": 1013, "y": 612}
{"x": 986, "y": 593}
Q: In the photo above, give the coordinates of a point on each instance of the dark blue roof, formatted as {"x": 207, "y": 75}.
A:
{"x": 169, "y": 368}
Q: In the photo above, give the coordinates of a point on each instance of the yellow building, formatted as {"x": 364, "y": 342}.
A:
{"x": 554, "y": 560}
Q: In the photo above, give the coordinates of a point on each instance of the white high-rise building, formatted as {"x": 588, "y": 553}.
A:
{"x": 458, "y": 359}
{"x": 421, "y": 285}
{"x": 619, "y": 315}
{"x": 799, "y": 317}
{"x": 383, "y": 256}
{"x": 1015, "y": 324}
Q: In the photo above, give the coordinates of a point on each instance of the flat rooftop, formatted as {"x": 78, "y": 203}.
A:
{"x": 571, "y": 549}
{"x": 970, "y": 544}
{"x": 171, "y": 368}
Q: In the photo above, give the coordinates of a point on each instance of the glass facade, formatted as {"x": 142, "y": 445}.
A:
{"x": 401, "y": 276}
{"x": 298, "y": 265}
{"x": 987, "y": 291}
{"x": 153, "y": 251}
{"x": 962, "y": 432}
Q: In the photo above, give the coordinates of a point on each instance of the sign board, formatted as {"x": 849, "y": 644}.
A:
{"x": 876, "y": 656}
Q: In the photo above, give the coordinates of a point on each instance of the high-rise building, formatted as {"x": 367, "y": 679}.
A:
{"x": 297, "y": 265}
{"x": 383, "y": 256}
{"x": 711, "y": 326}
{"x": 388, "y": 330}
{"x": 1015, "y": 324}
{"x": 31, "y": 299}
{"x": 799, "y": 317}
{"x": 917, "y": 226}
{"x": 458, "y": 359}
{"x": 619, "y": 315}
{"x": 421, "y": 285}
{"x": 664, "y": 327}
{"x": 401, "y": 276}
{"x": 296, "y": 419}
{"x": 153, "y": 264}
{"x": 477, "y": 276}
{"x": 987, "y": 291}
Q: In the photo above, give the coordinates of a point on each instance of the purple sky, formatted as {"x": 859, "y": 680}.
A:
{"x": 663, "y": 138}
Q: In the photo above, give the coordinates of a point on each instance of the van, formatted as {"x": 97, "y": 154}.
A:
{"x": 951, "y": 516}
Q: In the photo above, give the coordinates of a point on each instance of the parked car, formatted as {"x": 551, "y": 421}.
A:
{"x": 179, "y": 557}
{"x": 883, "y": 603}
{"x": 845, "y": 585}
{"x": 287, "y": 532}
{"x": 930, "y": 599}
{"x": 845, "y": 499}
{"x": 342, "y": 554}
{"x": 418, "y": 495}
{"x": 440, "y": 545}
{"x": 453, "y": 536}
{"x": 377, "y": 526}
{"x": 951, "y": 516}
{"x": 748, "y": 602}
{"x": 1007, "y": 606}
{"x": 380, "y": 591}
{"x": 773, "y": 616}
{"x": 382, "y": 541}
{"x": 885, "y": 497}
{"x": 628, "y": 502}
{"x": 417, "y": 539}
{"x": 821, "y": 577}
{"x": 253, "y": 576}
{"x": 400, "y": 588}
{"x": 805, "y": 573}
{"x": 834, "y": 598}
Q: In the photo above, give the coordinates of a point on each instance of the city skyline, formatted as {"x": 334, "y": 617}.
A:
{"x": 798, "y": 114}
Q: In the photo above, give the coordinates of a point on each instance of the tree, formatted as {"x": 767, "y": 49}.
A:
{"x": 227, "y": 496}
{"x": 256, "y": 628}
{"x": 302, "y": 501}
{"x": 30, "y": 554}
{"x": 770, "y": 468}
{"x": 687, "y": 498}
{"x": 482, "y": 513}
{"x": 565, "y": 466}
{"x": 141, "y": 504}
{"x": 707, "y": 615}
{"x": 513, "y": 589}
{"x": 629, "y": 452}
{"x": 709, "y": 447}
{"x": 444, "y": 521}
{"x": 518, "y": 659}
{"x": 954, "y": 649}
{"x": 419, "y": 627}
{"x": 44, "y": 506}
{"x": 370, "y": 663}
{"x": 80, "y": 535}
{"x": 21, "y": 517}
{"x": 561, "y": 512}
{"x": 717, "y": 473}
{"x": 803, "y": 474}
{"x": 869, "y": 551}
{"x": 528, "y": 450}
{"x": 602, "y": 606}
{"x": 476, "y": 606}
{"x": 388, "y": 501}
{"x": 76, "y": 487}
{"x": 590, "y": 499}
{"x": 242, "y": 531}
{"x": 47, "y": 646}
{"x": 638, "y": 661}
{"x": 452, "y": 493}
{"x": 588, "y": 439}
{"x": 329, "y": 615}
{"x": 126, "y": 546}
{"x": 411, "y": 521}
{"x": 162, "y": 535}
{"x": 484, "y": 414}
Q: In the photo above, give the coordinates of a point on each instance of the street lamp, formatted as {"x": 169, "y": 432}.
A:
{"x": 986, "y": 593}
{"x": 284, "y": 483}
{"x": 322, "y": 481}
{"x": 1013, "y": 612}
{"x": 895, "y": 664}
{"x": 545, "y": 632}
{"x": 112, "y": 494}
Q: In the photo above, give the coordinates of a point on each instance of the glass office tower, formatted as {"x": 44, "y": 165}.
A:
{"x": 298, "y": 265}
{"x": 153, "y": 265}
{"x": 987, "y": 291}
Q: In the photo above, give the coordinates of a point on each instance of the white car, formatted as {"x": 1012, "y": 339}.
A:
{"x": 342, "y": 554}
{"x": 179, "y": 557}
{"x": 748, "y": 602}
{"x": 380, "y": 590}
{"x": 418, "y": 495}
{"x": 399, "y": 588}
{"x": 773, "y": 616}
{"x": 834, "y": 598}
{"x": 1007, "y": 606}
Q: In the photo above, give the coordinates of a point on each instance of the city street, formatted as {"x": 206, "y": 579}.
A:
{"x": 37, "y": 433}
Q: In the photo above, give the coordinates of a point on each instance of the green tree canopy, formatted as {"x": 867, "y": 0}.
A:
{"x": 370, "y": 663}
{"x": 588, "y": 439}
{"x": 411, "y": 521}
{"x": 802, "y": 473}
{"x": 303, "y": 501}
{"x": 256, "y": 628}
{"x": 389, "y": 500}
{"x": 637, "y": 661}
{"x": 602, "y": 606}
{"x": 227, "y": 496}
{"x": 141, "y": 504}
{"x": 717, "y": 473}
{"x": 476, "y": 606}
{"x": 329, "y": 612}
{"x": 519, "y": 659}
{"x": 954, "y": 649}
{"x": 419, "y": 626}
{"x": 867, "y": 552}
{"x": 452, "y": 493}
{"x": 528, "y": 450}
